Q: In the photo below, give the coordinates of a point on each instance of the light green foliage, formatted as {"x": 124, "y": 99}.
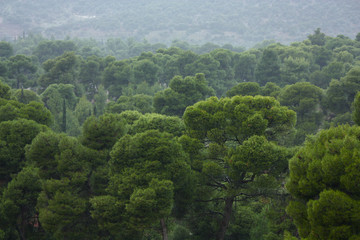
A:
{"x": 149, "y": 147}
{"x": 101, "y": 133}
{"x": 100, "y": 101}
{"x": 53, "y": 98}
{"x": 163, "y": 123}
{"x": 240, "y": 117}
{"x": 26, "y": 96}
{"x": 14, "y": 135}
{"x": 55, "y": 93}
{"x": 130, "y": 116}
{"x": 344, "y": 57}
{"x": 139, "y": 102}
{"x": 11, "y": 110}
{"x": 17, "y": 205}
{"x": 83, "y": 110}
{"x": 182, "y": 93}
{"x": 323, "y": 181}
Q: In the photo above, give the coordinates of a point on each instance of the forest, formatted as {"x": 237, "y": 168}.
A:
{"x": 130, "y": 140}
{"x": 238, "y": 22}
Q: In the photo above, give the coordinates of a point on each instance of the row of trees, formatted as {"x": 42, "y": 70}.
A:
{"x": 151, "y": 82}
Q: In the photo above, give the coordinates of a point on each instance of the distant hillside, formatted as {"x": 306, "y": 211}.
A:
{"x": 239, "y": 22}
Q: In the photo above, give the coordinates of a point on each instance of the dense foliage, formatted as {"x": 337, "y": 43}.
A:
{"x": 94, "y": 146}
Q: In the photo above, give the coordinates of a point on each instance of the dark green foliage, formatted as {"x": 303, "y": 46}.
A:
{"x": 318, "y": 38}
{"x": 163, "y": 123}
{"x": 11, "y": 110}
{"x": 268, "y": 69}
{"x": 65, "y": 168}
{"x": 51, "y": 49}
{"x": 147, "y": 177}
{"x": 62, "y": 69}
{"x": 90, "y": 75}
{"x": 36, "y": 111}
{"x": 244, "y": 66}
{"x": 246, "y": 88}
{"x": 356, "y": 109}
{"x": 101, "y": 133}
{"x": 235, "y": 154}
{"x": 21, "y": 68}
{"x": 145, "y": 71}
{"x": 323, "y": 178}
{"x": 341, "y": 94}
{"x": 6, "y": 50}
{"x": 305, "y": 99}
{"x": 63, "y": 124}
{"x": 17, "y": 205}
{"x": 182, "y": 93}
{"x": 14, "y": 136}
{"x": 117, "y": 75}
{"x": 4, "y": 90}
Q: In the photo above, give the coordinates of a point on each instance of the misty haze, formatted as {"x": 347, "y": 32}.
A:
{"x": 179, "y": 120}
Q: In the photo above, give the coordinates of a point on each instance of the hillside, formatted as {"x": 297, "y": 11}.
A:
{"x": 242, "y": 23}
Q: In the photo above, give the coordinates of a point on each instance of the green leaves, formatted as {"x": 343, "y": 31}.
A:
{"x": 102, "y": 133}
{"x": 324, "y": 175}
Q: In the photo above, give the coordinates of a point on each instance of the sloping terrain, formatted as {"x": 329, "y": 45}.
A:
{"x": 239, "y": 22}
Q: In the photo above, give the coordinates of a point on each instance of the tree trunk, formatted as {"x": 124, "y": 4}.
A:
{"x": 163, "y": 229}
{"x": 21, "y": 226}
{"x": 226, "y": 218}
